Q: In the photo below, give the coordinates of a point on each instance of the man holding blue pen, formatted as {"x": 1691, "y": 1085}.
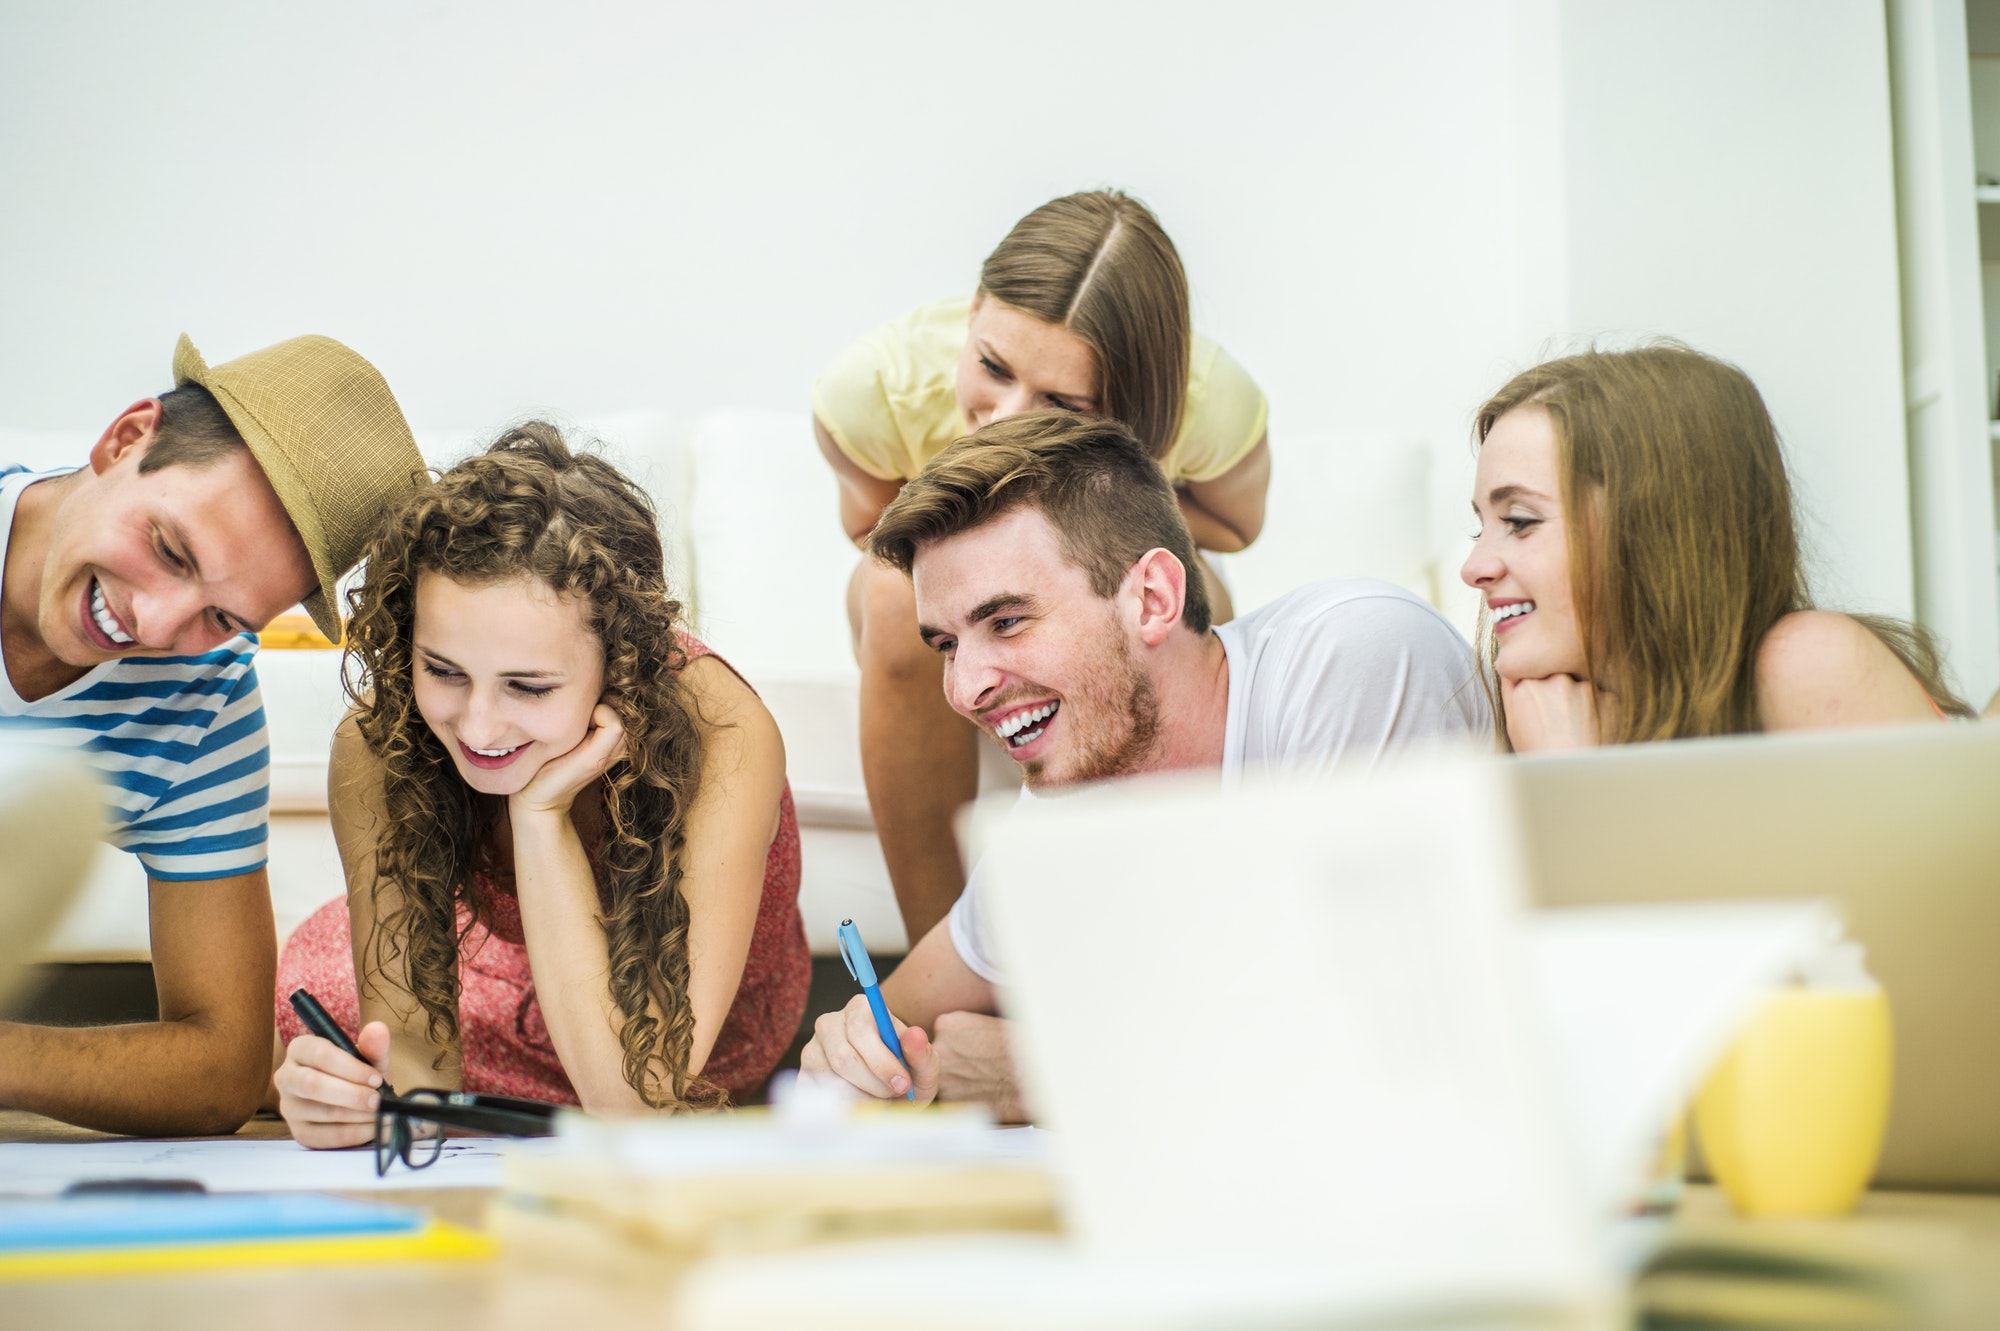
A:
{"x": 1050, "y": 564}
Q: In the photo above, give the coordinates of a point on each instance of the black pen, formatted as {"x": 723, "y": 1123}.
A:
{"x": 326, "y": 1028}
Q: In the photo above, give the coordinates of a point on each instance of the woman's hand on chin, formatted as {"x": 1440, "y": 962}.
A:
{"x": 555, "y": 787}
{"x": 1555, "y": 712}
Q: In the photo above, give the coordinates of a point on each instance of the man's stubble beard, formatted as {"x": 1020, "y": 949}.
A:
{"x": 1125, "y": 754}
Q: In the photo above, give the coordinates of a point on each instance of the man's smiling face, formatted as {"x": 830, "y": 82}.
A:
{"x": 1033, "y": 655}
{"x": 172, "y": 562}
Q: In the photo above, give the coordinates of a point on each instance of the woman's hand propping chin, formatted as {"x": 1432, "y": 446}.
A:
{"x": 1556, "y": 712}
{"x": 555, "y": 787}
{"x": 328, "y": 1097}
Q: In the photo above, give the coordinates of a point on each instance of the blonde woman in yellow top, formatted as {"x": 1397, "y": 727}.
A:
{"x": 1083, "y": 307}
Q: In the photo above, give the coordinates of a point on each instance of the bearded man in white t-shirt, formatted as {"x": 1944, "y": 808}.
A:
{"x": 1050, "y": 562}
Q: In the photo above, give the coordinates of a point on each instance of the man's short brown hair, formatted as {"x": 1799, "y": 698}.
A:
{"x": 1108, "y": 502}
{"x": 194, "y": 431}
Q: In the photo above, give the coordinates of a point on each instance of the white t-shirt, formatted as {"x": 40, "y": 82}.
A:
{"x": 1332, "y": 675}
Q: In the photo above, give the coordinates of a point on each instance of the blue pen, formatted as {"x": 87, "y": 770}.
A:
{"x": 863, "y": 971}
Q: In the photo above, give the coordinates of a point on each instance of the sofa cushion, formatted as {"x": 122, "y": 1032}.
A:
{"x": 771, "y": 562}
{"x": 1341, "y": 505}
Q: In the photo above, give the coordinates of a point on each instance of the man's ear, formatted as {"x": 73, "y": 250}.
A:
{"x": 135, "y": 427}
{"x": 1160, "y": 583}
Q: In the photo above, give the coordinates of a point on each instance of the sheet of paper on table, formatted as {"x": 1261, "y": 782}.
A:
{"x": 230, "y": 1165}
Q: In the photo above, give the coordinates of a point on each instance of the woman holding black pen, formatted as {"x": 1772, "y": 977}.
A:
{"x": 570, "y": 851}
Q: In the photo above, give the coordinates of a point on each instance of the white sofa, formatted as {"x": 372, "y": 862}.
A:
{"x": 748, "y": 511}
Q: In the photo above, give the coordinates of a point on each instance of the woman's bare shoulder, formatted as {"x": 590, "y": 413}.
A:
{"x": 353, "y": 776}
{"x": 1820, "y": 668}
{"x": 733, "y": 719}
{"x": 720, "y": 694}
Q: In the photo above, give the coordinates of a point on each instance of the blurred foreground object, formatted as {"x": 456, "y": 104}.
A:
{"x": 1907, "y": 1261}
{"x": 1316, "y": 1066}
{"x": 645, "y": 1194}
{"x": 1894, "y": 826}
{"x": 50, "y": 823}
{"x": 1792, "y": 1120}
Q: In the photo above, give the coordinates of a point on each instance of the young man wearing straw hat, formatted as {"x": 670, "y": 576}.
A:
{"x": 128, "y": 589}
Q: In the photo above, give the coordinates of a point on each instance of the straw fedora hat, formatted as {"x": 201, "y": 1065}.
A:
{"x": 323, "y": 425}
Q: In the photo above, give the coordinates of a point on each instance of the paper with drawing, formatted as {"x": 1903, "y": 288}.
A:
{"x": 231, "y": 1165}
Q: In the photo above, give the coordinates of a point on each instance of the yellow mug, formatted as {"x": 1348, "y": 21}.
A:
{"x": 1793, "y": 1117}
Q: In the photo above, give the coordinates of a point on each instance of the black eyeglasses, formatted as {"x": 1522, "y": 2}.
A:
{"x": 411, "y": 1127}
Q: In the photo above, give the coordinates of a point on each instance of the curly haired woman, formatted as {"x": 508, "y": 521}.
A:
{"x": 572, "y": 864}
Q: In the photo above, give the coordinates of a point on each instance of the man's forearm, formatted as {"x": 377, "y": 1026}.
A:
{"x": 158, "y": 1078}
{"x": 934, "y": 980}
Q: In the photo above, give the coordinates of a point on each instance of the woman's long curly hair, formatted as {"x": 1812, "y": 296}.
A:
{"x": 530, "y": 507}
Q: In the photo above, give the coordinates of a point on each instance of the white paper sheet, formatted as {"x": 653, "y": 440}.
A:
{"x": 813, "y": 1126}
{"x": 46, "y": 1168}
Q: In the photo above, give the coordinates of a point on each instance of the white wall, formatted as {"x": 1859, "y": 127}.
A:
{"x": 512, "y": 206}
{"x": 509, "y": 205}
{"x": 1385, "y": 209}
{"x": 1782, "y": 254}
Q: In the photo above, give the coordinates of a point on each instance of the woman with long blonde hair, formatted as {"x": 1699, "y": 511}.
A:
{"x": 571, "y": 857}
{"x": 1083, "y": 307}
{"x": 1639, "y": 564}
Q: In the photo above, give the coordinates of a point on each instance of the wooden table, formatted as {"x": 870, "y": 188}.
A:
{"x": 1956, "y": 1235}
{"x": 1952, "y": 1240}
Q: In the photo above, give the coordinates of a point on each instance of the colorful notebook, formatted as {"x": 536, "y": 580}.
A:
{"x": 90, "y": 1236}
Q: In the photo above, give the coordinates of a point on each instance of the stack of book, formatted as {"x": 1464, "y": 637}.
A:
{"x": 659, "y": 1193}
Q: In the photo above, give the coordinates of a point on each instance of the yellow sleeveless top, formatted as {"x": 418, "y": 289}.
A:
{"x": 890, "y": 400}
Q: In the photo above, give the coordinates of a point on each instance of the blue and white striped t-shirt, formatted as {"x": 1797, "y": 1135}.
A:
{"x": 180, "y": 742}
